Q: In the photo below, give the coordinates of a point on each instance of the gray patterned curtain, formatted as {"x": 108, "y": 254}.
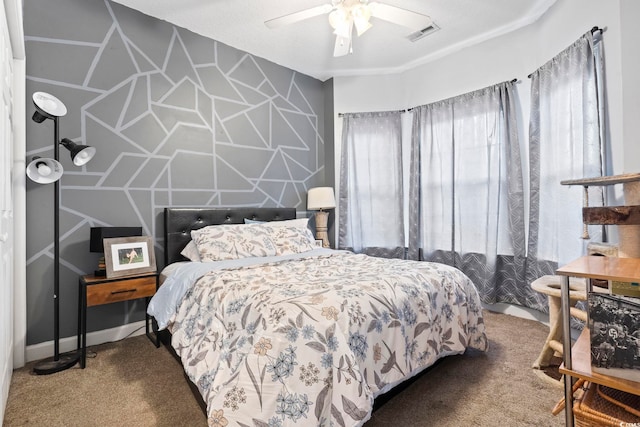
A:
{"x": 371, "y": 197}
{"x": 466, "y": 202}
{"x": 565, "y": 131}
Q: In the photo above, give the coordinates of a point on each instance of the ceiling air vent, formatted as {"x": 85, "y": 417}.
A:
{"x": 423, "y": 32}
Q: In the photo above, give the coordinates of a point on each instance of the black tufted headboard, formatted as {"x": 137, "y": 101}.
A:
{"x": 178, "y": 223}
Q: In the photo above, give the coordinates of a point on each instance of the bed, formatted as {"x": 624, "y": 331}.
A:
{"x": 283, "y": 332}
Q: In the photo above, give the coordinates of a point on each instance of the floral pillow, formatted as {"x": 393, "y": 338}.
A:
{"x": 233, "y": 241}
{"x": 255, "y": 240}
{"x": 293, "y": 240}
{"x": 296, "y": 238}
{"x": 298, "y": 222}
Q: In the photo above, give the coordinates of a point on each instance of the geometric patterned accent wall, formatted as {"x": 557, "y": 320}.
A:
{"x": 177, "y": 120}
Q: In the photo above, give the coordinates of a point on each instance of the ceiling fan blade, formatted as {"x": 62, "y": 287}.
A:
{"x": 298, "y": 16}
{"x": 406, "y": 18}
{"x": 342, "y": 46}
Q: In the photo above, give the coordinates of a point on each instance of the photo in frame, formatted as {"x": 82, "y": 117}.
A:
{"x": 614, "y": 328}
{"x": 129, "y": 256}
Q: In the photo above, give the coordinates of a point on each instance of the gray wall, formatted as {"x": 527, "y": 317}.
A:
{"x": 177, "y": 120}
{"x": 329, "y": 154}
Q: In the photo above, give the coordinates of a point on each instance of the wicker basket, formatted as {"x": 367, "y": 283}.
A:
{"x": 603, "y": 406}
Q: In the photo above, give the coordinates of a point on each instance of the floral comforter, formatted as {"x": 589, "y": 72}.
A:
{"x": 312, "y": 341}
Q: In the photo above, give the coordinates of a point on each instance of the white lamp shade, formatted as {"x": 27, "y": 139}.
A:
{"x": 320, "y": 198}
{"x": 84, "y": 155}
{"x": 49, "y": 104}
{"x": 44, "y": 171}
{"x": 80, "y": 154}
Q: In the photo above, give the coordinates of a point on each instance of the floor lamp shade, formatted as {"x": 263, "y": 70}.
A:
{"x": 47, "y": 107}
{"x": 80, "y": 154}
{"x": 44, "y": 171}
{"x": 321, "y": 198}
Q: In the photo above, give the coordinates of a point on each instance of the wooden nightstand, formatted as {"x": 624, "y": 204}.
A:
{"x": 102, "y": 290}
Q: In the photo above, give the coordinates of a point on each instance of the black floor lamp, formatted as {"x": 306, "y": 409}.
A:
{"x": 45, "y": 171}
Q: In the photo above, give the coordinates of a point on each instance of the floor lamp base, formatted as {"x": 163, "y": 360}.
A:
{"x": 51, "y": 366}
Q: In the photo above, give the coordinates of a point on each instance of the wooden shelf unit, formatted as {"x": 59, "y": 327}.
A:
{"x": 602, "y": 267}
{"x": 577, "y": 358}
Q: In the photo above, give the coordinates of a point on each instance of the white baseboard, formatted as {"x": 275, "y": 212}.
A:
{"x": 5, "y": 381}
{"x": 44, "y": 350}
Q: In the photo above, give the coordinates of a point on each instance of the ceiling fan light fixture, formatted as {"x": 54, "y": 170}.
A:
{"x": 361, "y": 15}
{"x": 343, "y": 30}
{"x": 361, "y": 25}
{"x": 343, "y": 15}
{"x": 338, "y": 17}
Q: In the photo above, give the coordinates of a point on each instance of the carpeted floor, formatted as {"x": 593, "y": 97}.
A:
{"x": 131, "y": 383}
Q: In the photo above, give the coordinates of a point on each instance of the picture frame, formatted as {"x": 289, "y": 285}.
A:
{"x": 129, "y": 256}
{"x": 613, "y": 334}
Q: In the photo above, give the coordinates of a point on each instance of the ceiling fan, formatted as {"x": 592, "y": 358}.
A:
{"x": 344, "y": 15}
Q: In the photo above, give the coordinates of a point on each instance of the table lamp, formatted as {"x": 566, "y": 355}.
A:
{"x": 319, "y": 199}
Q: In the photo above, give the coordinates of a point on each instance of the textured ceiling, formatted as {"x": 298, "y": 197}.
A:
{"x": 307, "y": 46}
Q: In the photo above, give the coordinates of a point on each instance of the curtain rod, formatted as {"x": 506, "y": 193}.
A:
{"x": 410, "y": 109}
{"x": 510, "y": 81}
{"x": 392, "y": 111}
{"x": 593, "y": 31}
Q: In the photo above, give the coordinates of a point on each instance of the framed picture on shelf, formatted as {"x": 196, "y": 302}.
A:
{"x": 129, "y": 256}
{"x": 614, "y": 326}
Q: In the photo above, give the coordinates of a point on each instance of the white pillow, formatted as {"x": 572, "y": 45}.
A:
{"x": 191, "y": 252}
